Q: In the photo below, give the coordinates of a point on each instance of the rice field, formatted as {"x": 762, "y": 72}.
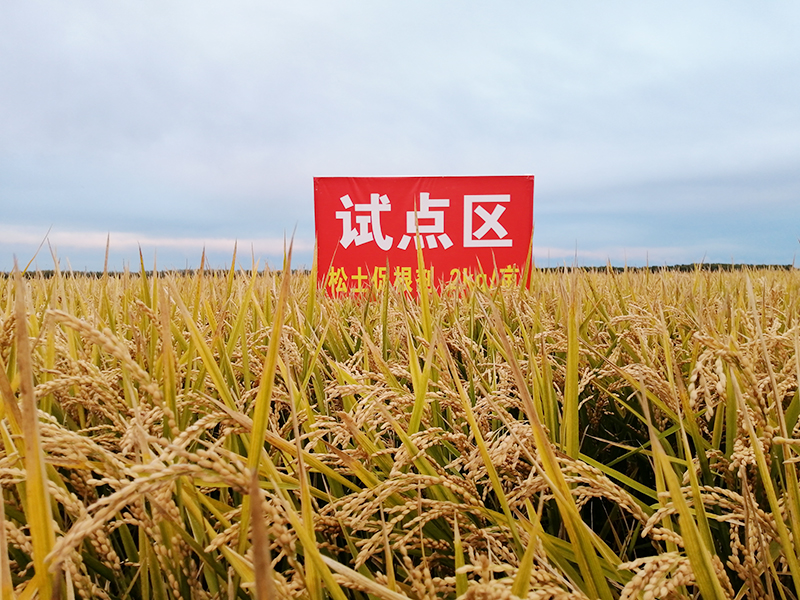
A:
{"x": 241, "y": 435}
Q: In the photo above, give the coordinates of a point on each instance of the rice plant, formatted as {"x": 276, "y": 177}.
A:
{"x": 239, "y": 434}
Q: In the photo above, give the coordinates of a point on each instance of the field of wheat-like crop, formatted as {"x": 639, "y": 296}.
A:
{"x": 235, "y": 435}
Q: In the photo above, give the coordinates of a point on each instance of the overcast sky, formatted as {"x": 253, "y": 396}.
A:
{"x": 657, "y": 132}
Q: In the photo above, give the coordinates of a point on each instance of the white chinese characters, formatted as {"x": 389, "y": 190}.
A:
{"x": 482, "y": 226}
{"x": 473, "y": 205}
{"x": 362, "y": 235}
{"x": 414, "y": 223}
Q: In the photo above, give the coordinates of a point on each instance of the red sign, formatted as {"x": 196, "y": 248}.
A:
{"x": 473, "y": 228}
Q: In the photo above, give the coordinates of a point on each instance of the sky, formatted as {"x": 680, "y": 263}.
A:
{"x": 658, "y": 133}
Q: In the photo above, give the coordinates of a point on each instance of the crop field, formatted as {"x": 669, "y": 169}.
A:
{"x": 241, "y": 435}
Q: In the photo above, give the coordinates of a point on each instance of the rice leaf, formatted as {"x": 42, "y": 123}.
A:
{"x": 37, "y": 508}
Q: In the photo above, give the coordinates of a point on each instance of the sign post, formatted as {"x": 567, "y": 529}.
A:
{"x": 368, "y": 229}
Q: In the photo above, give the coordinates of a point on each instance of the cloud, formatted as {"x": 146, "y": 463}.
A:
{"x": 197, "y": 121}
{"x": 119, "y": 240}
{"x": 545, "y": 256}
{"x": 172, "y": 252}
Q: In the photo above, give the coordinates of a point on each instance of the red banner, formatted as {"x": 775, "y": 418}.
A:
{"x": 477, "y": 229}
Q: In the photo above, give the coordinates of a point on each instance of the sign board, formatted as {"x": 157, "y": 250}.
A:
{"x": 468, "y": 228}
